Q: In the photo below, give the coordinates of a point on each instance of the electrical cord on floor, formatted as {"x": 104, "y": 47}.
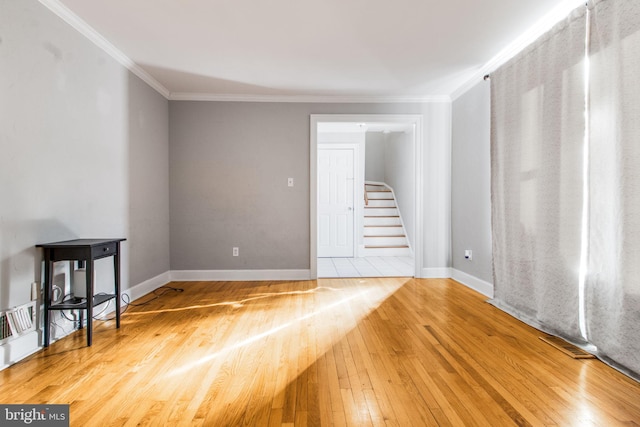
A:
{"x": 157, "y": 293}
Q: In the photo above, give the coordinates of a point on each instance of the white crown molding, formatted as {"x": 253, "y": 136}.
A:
{"x": 86, "y": 30}
{"x": 326, "y": 99}
{"x": 539, "y": 28}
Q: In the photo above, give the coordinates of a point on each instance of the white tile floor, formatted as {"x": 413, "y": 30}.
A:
{"x": 366, "y": 267}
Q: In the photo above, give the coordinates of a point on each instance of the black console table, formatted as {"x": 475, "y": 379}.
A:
{"x": 87, "y": 250}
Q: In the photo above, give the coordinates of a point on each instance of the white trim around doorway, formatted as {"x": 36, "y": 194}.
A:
{"x": 414, "y": 120}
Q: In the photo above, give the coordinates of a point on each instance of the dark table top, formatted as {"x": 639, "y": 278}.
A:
{"x": 78, "y": 243}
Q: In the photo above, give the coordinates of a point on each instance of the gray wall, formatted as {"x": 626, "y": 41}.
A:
{"x": 374, "y": 157}
{"x": 390, "y": 159}
{"x": 148, "y": 237}
{"x": 399, "y": 173}
{"x": 84, "y": 152}
{"x": 470, "y": 182}
{"x": 229, "y": 164}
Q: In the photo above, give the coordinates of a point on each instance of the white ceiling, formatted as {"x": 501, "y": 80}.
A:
{"x": 401, "y": 49}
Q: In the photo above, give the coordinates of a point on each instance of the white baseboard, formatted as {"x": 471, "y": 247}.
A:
{"x": 141, "y": 289}
{"x": 479, "y": 285}
{"x": 239, "y": 275}
{"x": 19, "y": 348}
{"x": 150, "y": 285}
{"x": 436, "y": 273}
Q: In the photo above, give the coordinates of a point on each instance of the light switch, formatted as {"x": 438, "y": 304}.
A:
{"x": 290, "y": 182}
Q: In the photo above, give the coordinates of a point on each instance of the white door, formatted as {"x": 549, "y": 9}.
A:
{"x": 335, "y": 202}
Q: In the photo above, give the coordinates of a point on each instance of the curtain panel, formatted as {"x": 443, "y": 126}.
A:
{"x": 612, "y": 287}
{"x": 537, "y": 143}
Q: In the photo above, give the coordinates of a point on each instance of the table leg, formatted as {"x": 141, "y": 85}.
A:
{"x": 116, "y": 275}
{"x": 48, "y": 281}
{"x": 89, "y": 301}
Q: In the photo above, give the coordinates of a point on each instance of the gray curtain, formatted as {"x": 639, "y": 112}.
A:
{"x": 537, "y": 145}
{"x": 613, "y": 278}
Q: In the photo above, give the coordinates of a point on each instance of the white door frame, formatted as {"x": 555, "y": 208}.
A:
{"x": 409, "y": 119}
{"x": 356, "y": 184}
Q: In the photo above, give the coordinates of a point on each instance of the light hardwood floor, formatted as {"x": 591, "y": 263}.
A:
{"x": 356, "y": 352}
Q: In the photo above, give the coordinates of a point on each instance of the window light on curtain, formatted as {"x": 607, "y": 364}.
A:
{"x": 539, "y": 177}
{"x": 613, "y": 274}
{"x": 537, "y": 141}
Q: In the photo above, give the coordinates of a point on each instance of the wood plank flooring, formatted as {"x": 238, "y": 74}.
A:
{"x": 343, "y": 352}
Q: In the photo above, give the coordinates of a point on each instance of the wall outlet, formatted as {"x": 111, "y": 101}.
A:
{"x": 468, "y": 254}
{"x": 35, "y": 290}
{"x": 236, "y": 251}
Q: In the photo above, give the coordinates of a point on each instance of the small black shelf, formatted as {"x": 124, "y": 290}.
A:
{"x": 84, "y": 251}
{"x": 81, "y": 303}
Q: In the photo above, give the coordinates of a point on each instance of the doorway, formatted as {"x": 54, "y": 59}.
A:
{"x": 357, "y": 260}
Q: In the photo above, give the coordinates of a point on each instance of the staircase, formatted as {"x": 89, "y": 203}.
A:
{"x": 384, "y": 234}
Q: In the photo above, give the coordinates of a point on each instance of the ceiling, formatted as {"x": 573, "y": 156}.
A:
{"x": 378, "y": 49}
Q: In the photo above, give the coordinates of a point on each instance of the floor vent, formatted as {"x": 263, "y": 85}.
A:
{"x": 567, "y": 348}
{"x": 5, "y": 331}
{"x": 17, "y": 321}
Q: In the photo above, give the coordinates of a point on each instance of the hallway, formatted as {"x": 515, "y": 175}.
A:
{"x": 366, "y": 267}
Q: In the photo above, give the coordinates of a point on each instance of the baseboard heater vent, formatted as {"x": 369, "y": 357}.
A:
{"x": 17, "y": 321}
{"x": 567, "y": 348}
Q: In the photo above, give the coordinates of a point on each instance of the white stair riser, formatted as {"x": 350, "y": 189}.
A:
{"x": 380, "y": 195}
{"x": 380, "y": 212}
{"x": 382, "y": 203}
{"x": 383, "y": 231}
{"x": 383, "y": 227}
{"x": 382, "y": 221}
{"x": 385, "y": 241}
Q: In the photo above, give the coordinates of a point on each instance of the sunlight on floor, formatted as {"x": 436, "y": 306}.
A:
{"x": 290, "y": 330}
{"x": 259, "y": 336}
{"x": 234, "y": 304}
